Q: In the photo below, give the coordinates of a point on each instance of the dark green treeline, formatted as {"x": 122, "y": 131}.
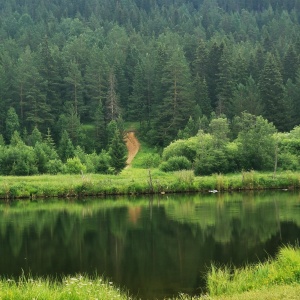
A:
{"x": 64, "y": 64}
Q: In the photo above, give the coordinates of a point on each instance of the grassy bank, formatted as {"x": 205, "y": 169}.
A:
{"x": 140, "y": 181}
{"x": 73, "y": 288}
{"x": 274, "y": 279}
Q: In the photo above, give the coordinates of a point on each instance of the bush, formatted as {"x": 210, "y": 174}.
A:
{"x": 54, "y": 166}
{"x": 103, "y": 165}
{"x": 211, "y": 162}
{"x": 288, "y": 161}
{"x": 186, "y": 148}
{"x": 18, "y": 160}
{"x": 176, "y": 163}
{"x": 74, "y": 166}
{"x": 150, "y": 161}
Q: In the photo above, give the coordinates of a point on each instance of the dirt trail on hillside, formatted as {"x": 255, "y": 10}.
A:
{"x": 132, "y": 145}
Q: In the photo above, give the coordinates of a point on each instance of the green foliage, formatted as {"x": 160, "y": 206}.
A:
{"x": 175, "y": 163}
{"x": 54, "y": 166}
{"x": 150, "y": 161}
{"x": 256, "y": 144}
{"x": 18, "y": 160}
{"x": 282, "y": 270}
{"x": 117, "y": 152}
{"x": 11, "y": 123}
{"x": 66, "y": 148}
{"x": 96, "y": 64}
{"x": 186, "y": 148}
{"x": 74, "y": 166}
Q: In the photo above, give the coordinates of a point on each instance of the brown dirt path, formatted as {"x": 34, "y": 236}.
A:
{"x": 132, "y": 145}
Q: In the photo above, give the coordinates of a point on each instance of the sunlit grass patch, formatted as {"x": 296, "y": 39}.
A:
{"x": 73, "y": 288}
{"x": 285, "y": 269}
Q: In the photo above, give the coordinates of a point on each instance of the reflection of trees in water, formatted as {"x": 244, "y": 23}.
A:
{"x": 165, "y": 245}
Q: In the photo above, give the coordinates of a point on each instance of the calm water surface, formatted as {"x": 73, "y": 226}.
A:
{"x": 154, "y": 247}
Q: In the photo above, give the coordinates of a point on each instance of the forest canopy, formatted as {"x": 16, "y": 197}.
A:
{"x": 73, "y": 71}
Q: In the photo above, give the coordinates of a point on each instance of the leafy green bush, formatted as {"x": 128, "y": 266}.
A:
{"x": 18, "y": 160}
{"x": 176, "y": 163}
{"x": 288, "y": 161}
{"x": 54, "y": 166}
{"x": 150, "y": 160}
{"x": 74, "y": 166}
{"x": 214, "y": 161}
{"x": 186, "y": 148}
{"x": 103, "y": 165}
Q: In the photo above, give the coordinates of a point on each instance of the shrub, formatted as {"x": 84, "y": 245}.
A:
{"x": 150, "y": 161}
{"x": 208, "y": 163}
{"x": 103, "y": 165}
{"x": 54, "y": 166}
{"x": 186, "y": 148}
{"x": 176, "y": 163}
{"x": 288, "y": 161}
{"x": 74, "y": 166}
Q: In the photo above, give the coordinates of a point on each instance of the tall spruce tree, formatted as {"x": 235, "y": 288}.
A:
{"x": 272, "y": 92}
{"x": 177, "y": 105}
{"x": 117, "y": 152}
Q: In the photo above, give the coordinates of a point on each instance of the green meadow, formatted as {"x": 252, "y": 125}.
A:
{"x": 140, "y": 181}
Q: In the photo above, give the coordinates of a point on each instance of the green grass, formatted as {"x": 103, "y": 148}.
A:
{"x": 129, "y": 126}
{"x": 70, "y": 288}
{"x": 265, "y": 278}
{"x": 275, "y": 279}
{"x": 137, "y": 181}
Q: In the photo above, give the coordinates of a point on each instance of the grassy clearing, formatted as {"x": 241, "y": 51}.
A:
{"x": 70, "y": 288}
{"x": 139, "y": 181}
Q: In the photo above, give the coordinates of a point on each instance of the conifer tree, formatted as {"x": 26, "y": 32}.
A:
{"x": 99, "y": 129}
{"x": 177, "y": 105}
{"x": 201, "y": 95}
{"x": 272, "y": 92}
{"x": 11, "y": 123}
{"x": 225, "y": 84}
{"x": 65, "y": 148}
{"x": 290, "y": 64}
{"x": 112, "y": 99}
{"x": 117, "y": 152}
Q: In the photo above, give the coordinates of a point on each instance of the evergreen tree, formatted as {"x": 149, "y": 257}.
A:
{"x": 118, "y": 153}
{"x": 272, "y": 92}
{"x": 11, "y": 123}
{"x": 201, "y": 95}
{"x": 74, "y": 83}
{"x": 35, "y": 137}
{"x": 65, "y": 148}
{"x": 225, "y": 84}
{"x": 213, "y": 72}
{"x": 290, "y": 64}
{"x": 112, "y": 99}
{"x": 95, "y": 79}
{"x": 177, "y": 105}
{"x": 246, "y": 98}
{"x": 100, "y": 128}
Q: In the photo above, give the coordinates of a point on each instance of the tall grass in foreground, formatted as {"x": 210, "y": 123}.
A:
{"x": 70, "y": 288}
{"x": 283, "y": 270}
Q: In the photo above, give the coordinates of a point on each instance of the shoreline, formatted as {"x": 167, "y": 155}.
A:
{"x": 141, "y": 182}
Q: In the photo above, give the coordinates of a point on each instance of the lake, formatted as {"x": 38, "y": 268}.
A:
{"x": 153, "y": 246}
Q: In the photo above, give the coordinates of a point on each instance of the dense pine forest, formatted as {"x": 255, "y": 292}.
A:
{"x": 71, "y": 73}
